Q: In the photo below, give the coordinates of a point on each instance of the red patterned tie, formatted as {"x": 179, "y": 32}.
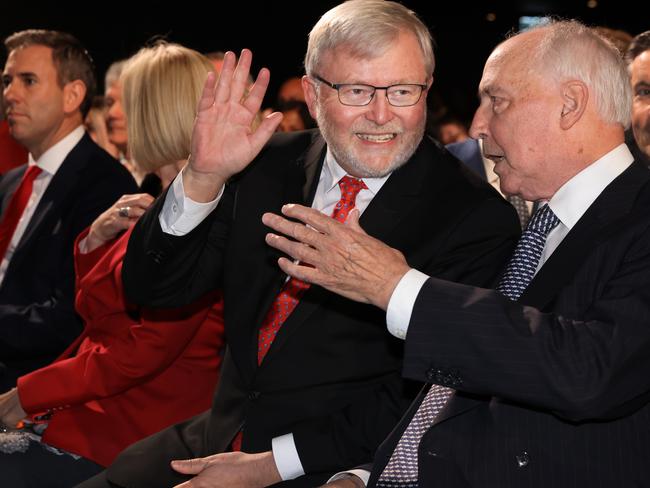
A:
{"x": 16, "y": 207}
{"x": 293, "y": 289}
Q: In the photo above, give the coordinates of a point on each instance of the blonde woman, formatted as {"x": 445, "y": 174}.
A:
{"x": 133, "y": 371}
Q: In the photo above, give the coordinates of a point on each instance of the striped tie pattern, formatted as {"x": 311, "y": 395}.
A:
{"x": 402, "y": 468}
{"x": 524, "y": 260}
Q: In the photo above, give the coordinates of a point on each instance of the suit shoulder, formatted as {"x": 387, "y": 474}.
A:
{"x": 103, "y": 165}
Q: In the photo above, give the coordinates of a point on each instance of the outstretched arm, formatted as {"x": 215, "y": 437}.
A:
{"x": 339, "y": 257}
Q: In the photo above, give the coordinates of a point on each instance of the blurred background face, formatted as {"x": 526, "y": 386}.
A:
{"x": 115, "y": 117}
{"x": 640, "y": 74}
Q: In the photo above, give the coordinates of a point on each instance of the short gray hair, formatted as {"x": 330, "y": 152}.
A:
{"x": 113, "y": 73}
{"x": 571, "y": 50}
{"x": 367, "y": 28}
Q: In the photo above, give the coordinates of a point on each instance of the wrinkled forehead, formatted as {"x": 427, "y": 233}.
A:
{"x": 510, "y": 63}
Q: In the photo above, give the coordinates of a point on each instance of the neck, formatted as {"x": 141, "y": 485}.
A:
{"x": 55, "y": 135}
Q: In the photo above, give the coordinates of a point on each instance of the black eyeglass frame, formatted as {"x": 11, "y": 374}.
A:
{"x": 338, "y": 86}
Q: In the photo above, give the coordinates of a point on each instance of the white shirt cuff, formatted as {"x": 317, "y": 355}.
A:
{"x": 286, "y": 457}
{"x": 360, "y": 473}
{"x": 180, "y": 215}
{"x": 400, "y": 306}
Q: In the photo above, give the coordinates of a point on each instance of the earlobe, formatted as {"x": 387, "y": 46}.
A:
{"x": 575, "y": 96}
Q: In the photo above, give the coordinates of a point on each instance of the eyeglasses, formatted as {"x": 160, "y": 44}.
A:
{"x": 358, "y": 95}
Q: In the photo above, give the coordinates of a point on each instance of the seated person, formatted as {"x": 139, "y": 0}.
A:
{"x": 133, "y": 371}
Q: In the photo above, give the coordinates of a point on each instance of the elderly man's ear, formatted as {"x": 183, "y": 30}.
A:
{"x": 575, "y": 96}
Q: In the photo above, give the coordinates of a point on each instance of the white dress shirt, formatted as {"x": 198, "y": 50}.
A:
{"x": 180, "y": 215}
{"x": 49, "y": 162}
{"x": 569, "y": 204}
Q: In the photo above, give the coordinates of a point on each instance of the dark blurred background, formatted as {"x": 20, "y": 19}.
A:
{"x": 465, "y": 32}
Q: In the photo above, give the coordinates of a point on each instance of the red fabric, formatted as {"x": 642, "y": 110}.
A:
{"x": 132, "y": 372}
{"x": 294, "y": 288}
{"x": 12, "y": 153}
{"x": 16, "y": 207}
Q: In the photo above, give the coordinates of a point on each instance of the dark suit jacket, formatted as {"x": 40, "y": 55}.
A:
{"x": 469, "y": 152}
{"x": 332, "y": 375}
{"x": 37, "y": 317}
{"x": 554, "y": 389}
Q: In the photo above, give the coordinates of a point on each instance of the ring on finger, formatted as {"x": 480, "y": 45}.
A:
{"x": 123, "y": 211}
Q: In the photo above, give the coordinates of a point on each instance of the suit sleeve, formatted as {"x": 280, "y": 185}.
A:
{"x": 474, "y": 252}
{"x": 163, "y": 270}
{"x": 587, "y": 367}
{"x": 48, "y": 325}
{"x": 139, "y": 347}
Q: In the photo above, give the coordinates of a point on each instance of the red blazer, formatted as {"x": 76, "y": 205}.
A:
{"x": 132, "y": 372}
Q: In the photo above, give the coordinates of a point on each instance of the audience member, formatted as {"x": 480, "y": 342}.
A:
{"x": 95, "y": 123}
{"x": 638, "y": 58}
{"x": 549, "y": 368}
{"x": 304, "y": 397}
{"x": 48, "y": 87}
{"x": 128, "y": 361}
{"x": 291, "y": 90}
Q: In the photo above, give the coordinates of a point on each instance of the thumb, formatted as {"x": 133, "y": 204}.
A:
{"x": 189, "y": 466}
{"x": 353, "y": 220}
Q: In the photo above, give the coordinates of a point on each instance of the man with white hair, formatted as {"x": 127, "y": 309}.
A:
{"x": 542, "y": 381}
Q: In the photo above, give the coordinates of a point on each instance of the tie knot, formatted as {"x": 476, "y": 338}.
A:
{"x": 32, "y": 172}
{"x": 542, "y": 221}
{"x": 350, "y": 188}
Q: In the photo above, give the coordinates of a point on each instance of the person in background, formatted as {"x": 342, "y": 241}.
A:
{"x": 638, "y": 58}
{"x": 48, "y": 88}
{"x": 133, "y": 371}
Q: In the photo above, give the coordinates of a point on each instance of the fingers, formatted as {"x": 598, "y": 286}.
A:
{"x": 255, "y": 97}
{"x": 189, "y": 466}
{"x": 240, "y": 76}
{"x": 222, "y": 89}
{"x": 319, "y": 221}
{"x": 298, "y": 231}
{"x": 296, "y": 250}
{"x": 304, "y": 273}
{"x": 207, "y": 95}
{"x": 265, "y": 130}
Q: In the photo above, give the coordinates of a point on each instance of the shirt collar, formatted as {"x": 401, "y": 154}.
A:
{"x": 332, "y": 174}
{"x": 573, "y": 198}
{"x": 52, "y": 159}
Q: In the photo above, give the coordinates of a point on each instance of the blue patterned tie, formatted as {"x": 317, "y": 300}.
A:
{"x": 524, "y": 260}
{"x": 402, "y": 468}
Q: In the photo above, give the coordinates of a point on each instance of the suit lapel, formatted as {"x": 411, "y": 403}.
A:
{"x": 392, "y": 204}
{"x": 300, "y": 187}
{"x": 599, "y": 221}
{"x": 50, "y": 206}
{"x": 604, "y": 214}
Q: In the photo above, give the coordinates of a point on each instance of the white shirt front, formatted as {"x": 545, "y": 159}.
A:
{"x": 49, "y": 162}
{"x": 180, "y": 215}
{"x": 569, "y": 204}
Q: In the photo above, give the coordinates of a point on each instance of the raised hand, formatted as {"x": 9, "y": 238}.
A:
{"x": 339, "y": 257}
{"x": 223, "y": 142}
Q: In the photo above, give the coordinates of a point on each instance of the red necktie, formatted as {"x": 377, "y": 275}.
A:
{"x": 293, "y": 289}
{"x": 16, "y": 207}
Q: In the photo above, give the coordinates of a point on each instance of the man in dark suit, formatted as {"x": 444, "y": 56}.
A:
{"x": 550, "y": 369}
{"x": 48, "y": 85}
{"x": 321, "y": 397}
